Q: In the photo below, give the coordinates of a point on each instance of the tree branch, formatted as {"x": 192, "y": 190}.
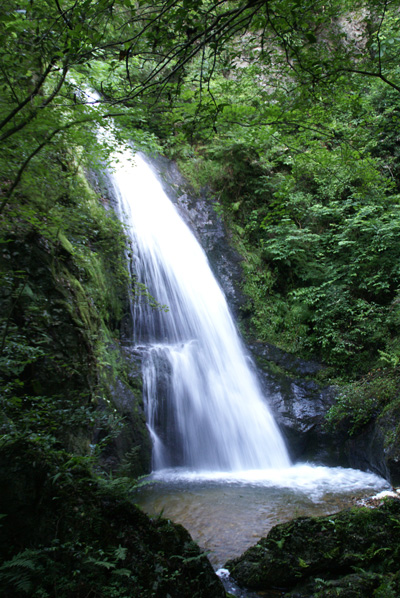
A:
{"x": 371, "y": 74}
{"x": 48, "y": 140}
{"x": 33, "y": 114}
{"x": 28, "y": 98}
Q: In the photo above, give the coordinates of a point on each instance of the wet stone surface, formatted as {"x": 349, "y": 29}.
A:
{"x": 199, "y": 214}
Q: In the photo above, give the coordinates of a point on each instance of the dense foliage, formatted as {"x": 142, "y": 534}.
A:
{"x": 308, "y": 179}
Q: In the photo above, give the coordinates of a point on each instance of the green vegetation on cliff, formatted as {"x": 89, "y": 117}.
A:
{"x": 308, "y": 180}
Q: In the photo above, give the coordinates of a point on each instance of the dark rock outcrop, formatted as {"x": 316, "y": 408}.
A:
{"x": 128, "y": 451}
{"x": 300, "y": 404}
{"x": 352, "y": 553}
{"x": 67, "y": 533}
{"x": 199, "y": 214}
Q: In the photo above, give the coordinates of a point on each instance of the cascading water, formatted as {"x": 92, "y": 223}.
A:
{"x": 205, "y": 409}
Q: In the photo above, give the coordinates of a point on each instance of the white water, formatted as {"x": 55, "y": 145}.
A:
{"x": 205, "y": 409}
{"x": 313, "y": 481}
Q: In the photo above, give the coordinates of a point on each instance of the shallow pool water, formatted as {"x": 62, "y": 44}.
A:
{"x": 226, "y": 513}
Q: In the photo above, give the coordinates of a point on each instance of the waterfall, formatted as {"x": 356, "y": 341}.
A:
{"x": 204, "y": 406}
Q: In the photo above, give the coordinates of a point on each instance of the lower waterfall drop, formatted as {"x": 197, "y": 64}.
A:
{"x": 205, "y": 409}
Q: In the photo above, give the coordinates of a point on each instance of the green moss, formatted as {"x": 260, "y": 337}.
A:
{"x": 69, "y": 533}
{"x": 366, "y": 399}
{"x": 316, "y": 555}
{"x": 65, "y": 243}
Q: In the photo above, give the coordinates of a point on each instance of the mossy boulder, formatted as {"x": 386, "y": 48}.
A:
{"x": 70, "y": 534}
{"x": 356, "y": 548}
{"x": 62, "y": 368}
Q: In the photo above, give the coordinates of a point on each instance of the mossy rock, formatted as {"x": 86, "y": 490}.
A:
{"x": 64, "y": 368}
{"x": 325, "y": 551}
{"x": 68, "y": 533}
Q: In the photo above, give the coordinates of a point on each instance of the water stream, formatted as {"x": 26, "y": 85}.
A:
{"x": 220, "y": 465}
{"x": 205, "y": 409}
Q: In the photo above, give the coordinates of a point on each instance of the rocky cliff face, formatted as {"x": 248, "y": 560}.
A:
{"x": 198, "y": 212}
{"x": 300, "y": 404}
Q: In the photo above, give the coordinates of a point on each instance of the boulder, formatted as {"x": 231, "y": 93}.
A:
{"x": 355, "y": 550}
{"x": 68, "y": 533}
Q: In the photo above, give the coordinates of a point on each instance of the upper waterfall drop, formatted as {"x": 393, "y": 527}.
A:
{"x": 204, "y": 406}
